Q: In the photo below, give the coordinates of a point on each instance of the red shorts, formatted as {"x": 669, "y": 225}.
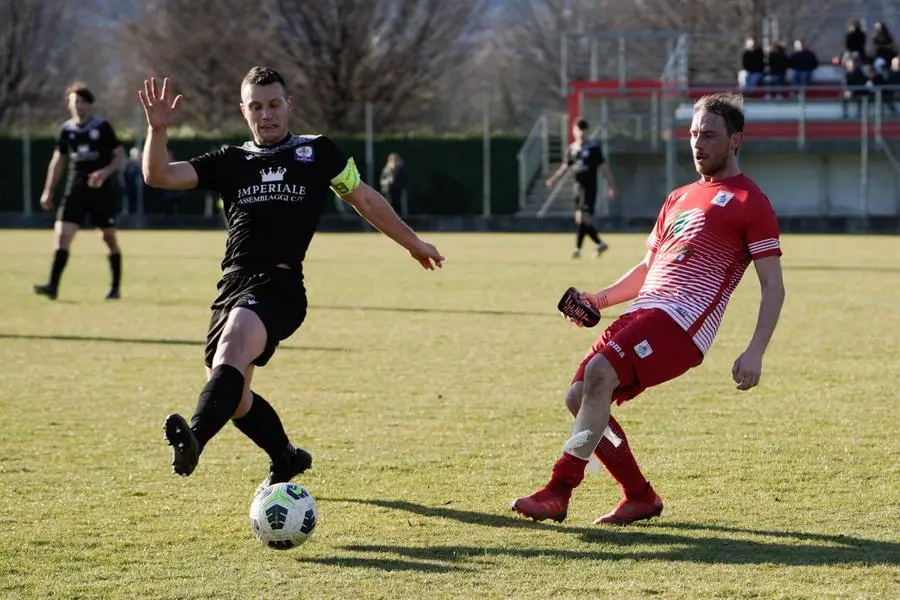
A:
{"x": 646, "y": 348}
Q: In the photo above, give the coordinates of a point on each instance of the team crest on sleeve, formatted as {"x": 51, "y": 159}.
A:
{"x": 722, "y": 198}
{"x": 303, "y": 154}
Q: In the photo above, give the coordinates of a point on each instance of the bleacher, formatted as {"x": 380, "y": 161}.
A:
{"x": 817, "y": 115}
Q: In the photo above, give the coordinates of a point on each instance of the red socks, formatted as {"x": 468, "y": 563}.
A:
{"x": 567, "y": 473}
{"x": 620, "y": 463}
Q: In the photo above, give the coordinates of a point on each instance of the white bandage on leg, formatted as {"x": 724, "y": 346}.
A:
{"x": 612, "y": 437}
{"x": 577, "y": 441}
{"x": 594, "y": 462}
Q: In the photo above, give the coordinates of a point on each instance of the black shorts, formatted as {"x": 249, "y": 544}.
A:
{"x": 99, "y": 203}
{"x": 585, "y": 198}
{"x": 277, "y": 296}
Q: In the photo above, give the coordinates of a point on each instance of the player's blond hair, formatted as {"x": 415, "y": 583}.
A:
{"x": 728, "y": 106}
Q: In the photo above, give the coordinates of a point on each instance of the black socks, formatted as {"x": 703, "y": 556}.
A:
{"x": 262, "y": 425}
{"x": 60, "y": 258}
{"x": 115, "y": 265}
{"x": 586, "y": 229}
{"x": 217, "y": 403}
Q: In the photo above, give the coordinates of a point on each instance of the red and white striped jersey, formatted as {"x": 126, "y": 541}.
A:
{"x": 705, "y": 236}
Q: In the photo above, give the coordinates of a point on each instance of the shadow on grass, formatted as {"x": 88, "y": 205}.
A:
{"x": 840, "y": 268}
{"x": 710, "y": 544}
{"x": 550, "y": 312}
{"x": 388, "y": 564}
{"x": 122, "y": 340}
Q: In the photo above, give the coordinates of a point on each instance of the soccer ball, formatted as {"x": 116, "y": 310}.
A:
{"x": 283, "y": 515}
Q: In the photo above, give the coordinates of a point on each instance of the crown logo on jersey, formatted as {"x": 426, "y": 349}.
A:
{"x": 270, "y": 175}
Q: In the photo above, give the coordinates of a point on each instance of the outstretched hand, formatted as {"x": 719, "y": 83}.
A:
{"x": 427, "y": 255}
{"x": 160, "y": 111}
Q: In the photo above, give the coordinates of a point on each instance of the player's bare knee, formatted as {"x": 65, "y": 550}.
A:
{"x": 109, "y": 238}
{"x": 64, "y": 240}
{"x": 600, "y": 376}
{"x": 573, "y": 397}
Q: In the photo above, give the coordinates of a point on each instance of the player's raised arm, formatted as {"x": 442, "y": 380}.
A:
{"x": 161, "y": 113}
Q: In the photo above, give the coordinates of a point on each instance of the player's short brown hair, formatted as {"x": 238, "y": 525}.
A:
{"x": 263, "y": 76}
{"x": 81, "y": 90}
{"x": 728, "y": 106}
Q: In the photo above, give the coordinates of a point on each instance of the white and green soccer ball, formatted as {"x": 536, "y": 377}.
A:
{"x": 283, "y": 515}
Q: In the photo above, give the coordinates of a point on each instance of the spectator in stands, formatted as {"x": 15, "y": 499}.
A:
{"x": 777, "y": 60}
{"x": 393, "y": 183}
{"x": 131, "y": 179}
{"x": 892, "y": 85}
{"x": 874, "y": 81}
{"x": 753, "y": 63}
{"x": 883, "y": 42}
{"x": 803, "y": 62}
{"x": 855, "y": 41}
{"x": 855, "y": 82}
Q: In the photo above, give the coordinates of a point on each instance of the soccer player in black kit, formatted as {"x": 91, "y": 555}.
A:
{"x": 90, "y": 146}
{"x": 274, "y": 189}
{"x": 584, "y": 158}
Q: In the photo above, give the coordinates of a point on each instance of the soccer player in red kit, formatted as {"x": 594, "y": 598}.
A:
{"x": 705, "y": 236}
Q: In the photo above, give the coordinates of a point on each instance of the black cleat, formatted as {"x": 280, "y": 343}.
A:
{"x": 113, "y": 294}
{"x": 601, "y": 248}
{"x": 45, "y": 290}
{"x": 294, "y": 462}
{"x": 185, "y": 448}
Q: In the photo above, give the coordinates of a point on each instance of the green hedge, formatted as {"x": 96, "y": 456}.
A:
{"x": 445, "y": 175}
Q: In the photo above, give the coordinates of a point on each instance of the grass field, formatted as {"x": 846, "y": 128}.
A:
{"x": 430, "y": 401}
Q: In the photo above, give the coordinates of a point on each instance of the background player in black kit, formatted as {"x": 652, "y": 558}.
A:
{"x": 584, "y": 158}
{"x": 274, "y": 190}
{"x": 90, "y": 146}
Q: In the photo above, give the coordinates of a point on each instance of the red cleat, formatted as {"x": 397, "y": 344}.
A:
{"x": 543, "y": 504}
{"x": 630, "y": 510}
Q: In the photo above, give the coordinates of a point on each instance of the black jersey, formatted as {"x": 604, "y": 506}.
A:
{"x": 89, "y": 146}
{"x": 585, "y": 160}
{"x": 273, "y": 196}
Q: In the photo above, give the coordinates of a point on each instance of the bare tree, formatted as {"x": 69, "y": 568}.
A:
{"x": 205, "y": 54}
{"x": 33, "y": 36}
{"x": 527, "y": 56}
{"x": 394, "y": 53}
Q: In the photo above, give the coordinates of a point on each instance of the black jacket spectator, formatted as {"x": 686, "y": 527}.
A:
{"x": 855, "y": 39}
{"x": 883, "y": 42}
{"x": 804, "y": 60}
{"x": 854, "y": 77}
{"x": 754, "y": 60}
{"x": 778, "y": 61}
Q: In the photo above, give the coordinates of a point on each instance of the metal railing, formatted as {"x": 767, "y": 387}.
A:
{"x": 545, "y": 145}
{"x": 532, "y": 158}
{"x": 676, "y": 72}
{"x": 637, "y": 121}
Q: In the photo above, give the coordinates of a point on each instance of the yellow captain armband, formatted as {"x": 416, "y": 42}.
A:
{"x": 347, "y": 180}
